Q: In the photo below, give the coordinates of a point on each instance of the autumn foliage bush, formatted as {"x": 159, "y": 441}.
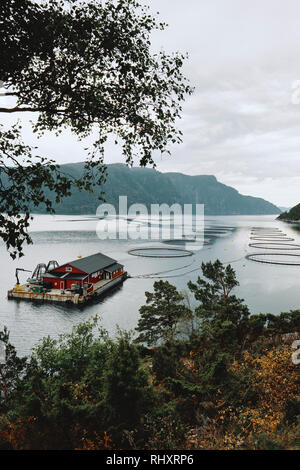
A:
{"x": 258, "y": 416}
{"x": 229, "y": 384}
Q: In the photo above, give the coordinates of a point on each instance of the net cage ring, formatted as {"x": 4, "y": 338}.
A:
{"x": 266, "y": 229}
{"x": 160, "y": 252}
{"x": 273, "y": 234}
{"x": 185, "y": 241}
{"x": 259, "y": 259}
{"x": 281, "y": 246}
{"x": 273, "y": 239}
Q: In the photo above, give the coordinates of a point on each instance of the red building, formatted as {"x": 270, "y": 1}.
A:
{"x": 83, "y": 272}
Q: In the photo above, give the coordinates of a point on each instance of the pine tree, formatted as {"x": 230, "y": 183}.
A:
{"x": 224, "y": 318}
{"x": 161, "y": 317}
{"x": 126, "y": 387}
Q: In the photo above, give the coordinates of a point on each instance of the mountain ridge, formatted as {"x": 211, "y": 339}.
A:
{"x": 149, "y": 186}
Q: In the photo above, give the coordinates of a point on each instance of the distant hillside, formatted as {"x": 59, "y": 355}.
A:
{"x": 148, "y": 186}
{"x": 293, "y": 215}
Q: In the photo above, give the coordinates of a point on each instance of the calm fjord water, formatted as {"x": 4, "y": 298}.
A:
{"x": 265, "y": 287}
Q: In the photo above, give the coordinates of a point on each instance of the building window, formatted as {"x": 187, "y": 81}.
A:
{"x": 68, "y": 269}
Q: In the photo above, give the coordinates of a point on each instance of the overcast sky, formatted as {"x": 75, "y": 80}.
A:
{"x": 242, "y": 124}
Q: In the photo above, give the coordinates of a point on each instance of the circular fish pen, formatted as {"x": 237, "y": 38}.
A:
{"x": 268, "y": 238}
{"x": 273, "y": 258}
{"x": 275, "y": 246}
{"x": 153, "y": 252}
{"x": 181, "y": 241}
{"x": 213, "y": 231}
{"x": 273, "y": 239}
{"x": 270, "y": 229}
{"x": 267, "y": 234}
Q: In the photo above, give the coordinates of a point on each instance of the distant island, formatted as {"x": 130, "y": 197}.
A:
{"x": 149, "y": 186}
{"x": 293, "y": 215}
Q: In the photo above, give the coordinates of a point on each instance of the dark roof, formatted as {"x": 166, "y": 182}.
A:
{"x": 91, "y": 263}
{"x": 54, "y": 275}
{"x": 114, "y": 267}
{"x": 74, "y": 276}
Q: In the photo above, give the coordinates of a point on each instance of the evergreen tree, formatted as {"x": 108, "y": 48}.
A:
{"x": 127, "y": 394}
{"x": 11, "y": 370}
{"x": 224, "y": 318}
{"x": 160, "y": 319}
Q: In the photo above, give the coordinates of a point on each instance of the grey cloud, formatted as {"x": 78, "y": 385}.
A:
{"x": 240, "y": 124}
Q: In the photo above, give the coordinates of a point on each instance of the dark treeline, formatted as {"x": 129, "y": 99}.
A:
{"x": 293, "y": 215}
{"x": 213, "y": 378}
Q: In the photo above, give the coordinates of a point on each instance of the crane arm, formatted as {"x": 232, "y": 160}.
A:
{"x": 20, "y": 269}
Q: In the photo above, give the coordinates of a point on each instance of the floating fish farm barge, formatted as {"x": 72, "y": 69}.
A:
{"x": 76, "y": 282}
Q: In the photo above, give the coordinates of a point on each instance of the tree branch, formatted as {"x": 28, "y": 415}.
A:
{"x": 17, "y": 109}
{"x": 4, "y": 387}
{"x": 9, "y": 93}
